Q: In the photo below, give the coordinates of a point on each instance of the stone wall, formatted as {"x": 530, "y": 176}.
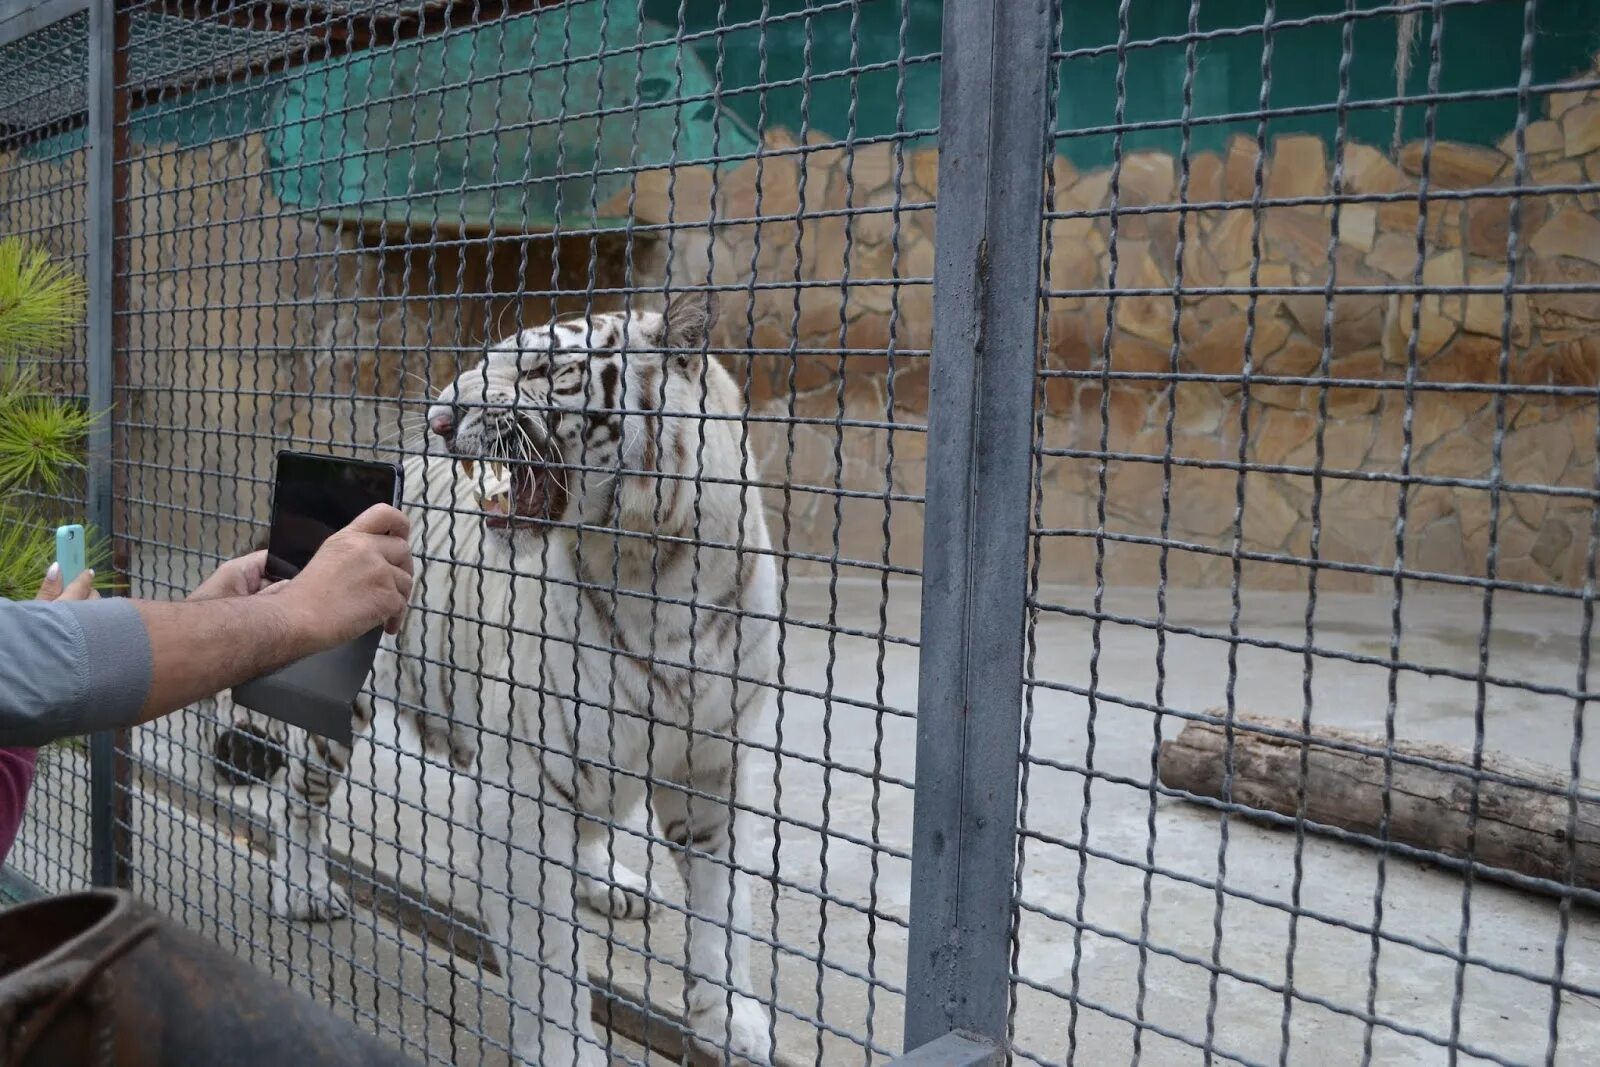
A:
{"x": 1453, "y": 339}
{"x": 1097, "y": 406}
{"x": 253, "y": 328}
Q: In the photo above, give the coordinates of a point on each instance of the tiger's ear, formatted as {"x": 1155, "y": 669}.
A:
{"x": 686, "y": 324}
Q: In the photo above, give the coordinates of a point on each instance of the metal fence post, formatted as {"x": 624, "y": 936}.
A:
{"x": 107, "y": 121}
{"x": 992, "y": 158}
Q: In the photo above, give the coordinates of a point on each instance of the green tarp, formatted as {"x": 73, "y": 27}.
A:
{"x": 398, "y": 135}
{"x": 468, "y": 128}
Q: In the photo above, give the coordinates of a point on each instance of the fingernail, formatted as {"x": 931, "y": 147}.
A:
{"x": 53, "y": 573}
{"x": 90, "y": 573}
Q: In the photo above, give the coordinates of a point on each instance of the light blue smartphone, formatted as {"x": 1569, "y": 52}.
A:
{"x": 69, "y": 552}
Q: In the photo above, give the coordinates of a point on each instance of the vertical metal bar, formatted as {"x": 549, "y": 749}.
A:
{"x": 108, "y": 115}
{"x": 992, "y": 155}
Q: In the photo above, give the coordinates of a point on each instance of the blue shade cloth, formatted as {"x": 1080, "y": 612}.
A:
{"x": 830, "y": 68}
{"x": 491, "y": 126}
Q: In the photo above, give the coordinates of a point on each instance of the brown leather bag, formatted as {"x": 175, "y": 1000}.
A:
{"x": 97, "y": 979}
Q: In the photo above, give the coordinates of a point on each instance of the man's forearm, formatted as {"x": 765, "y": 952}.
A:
{"x": 199, "y": 648}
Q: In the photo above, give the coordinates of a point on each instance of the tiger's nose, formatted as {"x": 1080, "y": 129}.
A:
{"x": 442, "y": 423}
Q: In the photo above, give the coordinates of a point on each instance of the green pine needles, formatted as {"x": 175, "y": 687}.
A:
{"x": 41, "y": 432}
{"x": 40, "y": 301}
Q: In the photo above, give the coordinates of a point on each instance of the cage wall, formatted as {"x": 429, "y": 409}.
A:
{"x": 1312, "y": 447}
{"x": 43, "y": 204}
{"x": 270, "y": 306}
{"x": 1314, "y": 433}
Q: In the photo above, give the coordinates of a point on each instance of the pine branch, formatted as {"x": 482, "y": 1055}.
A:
{"x": 41, "y": 439}
{"x": 41, "y": 435}
{"x": 41, "y": 302}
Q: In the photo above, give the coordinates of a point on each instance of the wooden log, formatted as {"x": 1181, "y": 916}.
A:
{"x": 1523, "y": 813}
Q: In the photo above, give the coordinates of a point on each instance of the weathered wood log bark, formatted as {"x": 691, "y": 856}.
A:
{"x": 1523, "y": 813}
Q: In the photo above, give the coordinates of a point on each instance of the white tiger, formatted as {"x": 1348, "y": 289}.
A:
{"x": 601, "y": 519}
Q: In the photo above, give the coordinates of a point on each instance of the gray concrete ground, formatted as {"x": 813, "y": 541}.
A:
{"x": 838, "y": 908}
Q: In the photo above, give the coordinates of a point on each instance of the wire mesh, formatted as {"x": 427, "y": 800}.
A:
{"x": 1314, "y": 497}
{"x": 283, "y": 291}
{"x": 42, "y": 204}
{"x": 171, "y": 46}
{"x": 1312, "y": 515}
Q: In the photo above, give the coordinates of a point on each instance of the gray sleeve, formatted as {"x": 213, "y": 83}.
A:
{"x": 70, "y": 668}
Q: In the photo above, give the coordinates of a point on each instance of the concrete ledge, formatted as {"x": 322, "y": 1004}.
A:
{"x": 955, "y": 1049}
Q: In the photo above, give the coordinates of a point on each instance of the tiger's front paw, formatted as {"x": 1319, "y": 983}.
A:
{"x": 298, "y": 903}
{"x": 744, "y": 1033}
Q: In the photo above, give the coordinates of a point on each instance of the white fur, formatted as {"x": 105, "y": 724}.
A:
{"x": 648, "y": 655}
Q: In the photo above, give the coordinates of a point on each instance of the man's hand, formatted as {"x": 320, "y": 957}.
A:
{"x": 238, "y": 628}
{"x": 82, "y": 587}
{"x": 244, "y": 576}
{"x": 360, "y": 578}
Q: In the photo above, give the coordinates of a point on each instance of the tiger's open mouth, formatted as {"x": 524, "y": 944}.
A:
{"x": 511, "y": 492}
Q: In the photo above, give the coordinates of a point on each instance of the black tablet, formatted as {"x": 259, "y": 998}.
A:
{"x": 314, "y": 497}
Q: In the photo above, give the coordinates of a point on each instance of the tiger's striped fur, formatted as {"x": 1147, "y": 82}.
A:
{"x": 625, "y": 570}
{"x": 426, "y": 676}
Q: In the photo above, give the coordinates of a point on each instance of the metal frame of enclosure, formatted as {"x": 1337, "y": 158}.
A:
{"x": 927, "y": 856}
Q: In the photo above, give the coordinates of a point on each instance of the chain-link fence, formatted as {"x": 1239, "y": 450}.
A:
{"x": 44, "y": 201}
{"x": 1152, "y": 623}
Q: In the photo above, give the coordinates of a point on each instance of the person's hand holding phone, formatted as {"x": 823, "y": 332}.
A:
{"x": 359, "y": 579}
{"x": 80, "y": 588}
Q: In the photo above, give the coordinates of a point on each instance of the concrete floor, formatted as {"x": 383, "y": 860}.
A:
{"x": 1500, "y": 1015}
{"x": 845, "y": 767}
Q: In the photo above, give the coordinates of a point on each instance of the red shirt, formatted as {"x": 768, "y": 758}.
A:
{"x": 16, "y": 775}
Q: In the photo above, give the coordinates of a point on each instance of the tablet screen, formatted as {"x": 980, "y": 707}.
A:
{"x": 316, "y": 496}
